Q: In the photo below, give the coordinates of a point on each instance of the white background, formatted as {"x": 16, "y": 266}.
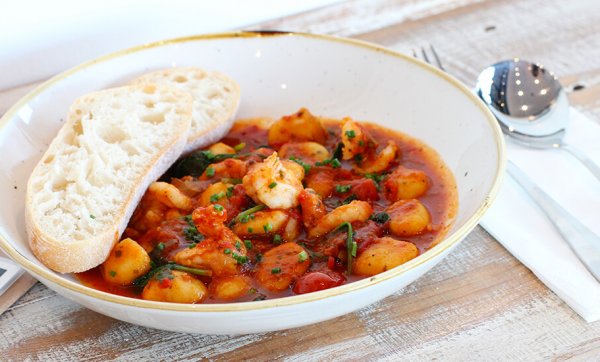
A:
{"x": 41, "y": 38}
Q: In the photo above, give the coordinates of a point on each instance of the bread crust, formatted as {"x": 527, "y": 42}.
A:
{"x": 64, "y": 253}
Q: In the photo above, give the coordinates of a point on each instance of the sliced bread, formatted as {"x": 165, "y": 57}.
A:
{"x": 82, "y": 192}
{"x": 216, "y": 100}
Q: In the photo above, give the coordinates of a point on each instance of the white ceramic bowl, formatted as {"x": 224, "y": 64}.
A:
{"x": 278, "y": 73}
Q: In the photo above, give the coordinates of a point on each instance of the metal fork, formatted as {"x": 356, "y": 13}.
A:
{"x": 584, "y": 242}
{"x": 434, "y": 54}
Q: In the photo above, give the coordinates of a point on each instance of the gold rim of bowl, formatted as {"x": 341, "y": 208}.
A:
{"x": 445, "y": 244}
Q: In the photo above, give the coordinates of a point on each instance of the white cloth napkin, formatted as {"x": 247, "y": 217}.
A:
{"x": 516, "y": 221}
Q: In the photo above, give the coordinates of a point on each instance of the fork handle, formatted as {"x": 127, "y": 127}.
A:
{"x": 582, "y": 240}
{"x": 593, "y": 167}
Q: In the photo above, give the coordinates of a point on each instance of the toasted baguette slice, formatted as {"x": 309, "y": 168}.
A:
{"x": 83, "y": 191}
{"x": 216, "y": 100}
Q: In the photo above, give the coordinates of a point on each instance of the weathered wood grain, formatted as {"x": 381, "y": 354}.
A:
{"x": 478, "y": 304}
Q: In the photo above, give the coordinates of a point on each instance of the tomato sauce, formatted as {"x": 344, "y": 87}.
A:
{"x": 327, "y": 267}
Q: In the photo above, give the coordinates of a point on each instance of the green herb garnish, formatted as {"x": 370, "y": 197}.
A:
{"x": 349, "y": 199}
{"x": 241, "y": 259}
{"x": 342, "y": 189}
{"x": 195, "y": 271}
{"x": 248, "y": 244}
{"x": 351, "y": 245}
{"x": 192, "y": 234}
{"x": 246, "y": 213}
{"x": 229, "y": 192}
{"x": 272, "y": 185}
{"x": 164, "y": 272}
{"x": 196, "y": 163}
{"x": 302, "y": 256}
{"x": 276, "y": 239}
{"x": 380, "y": 217}
{"x": 218, "y": 207}
{"x": 160, "y": 246}
{"x": 239, "y": 146}
{"x": 215, "y": 197}
{"x": 350, "y": 134}
{"x": 227, "y": 251}
{"x": 238, "y": 245}
{"x": 338, "y": 151}
{"x": 112, "y": 273}
{"x": 267, "y": 227}
{"x": 377, "y": 178}
{"x": 210, "y": 172}
{"x": 276, "y": 270}
{"x": 306, "y": 166}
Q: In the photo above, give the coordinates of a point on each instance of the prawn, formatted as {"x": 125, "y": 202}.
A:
{"x": 274, "y": 184}
{"x": 222, "y": 251}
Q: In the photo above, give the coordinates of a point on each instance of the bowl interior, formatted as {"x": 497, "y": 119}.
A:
{"x": 278, "y": 74}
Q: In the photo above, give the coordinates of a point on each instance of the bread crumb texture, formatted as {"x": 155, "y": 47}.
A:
{"x": 110, "y": 141}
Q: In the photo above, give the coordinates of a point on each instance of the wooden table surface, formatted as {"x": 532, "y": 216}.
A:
{"x": 480, "y": 303}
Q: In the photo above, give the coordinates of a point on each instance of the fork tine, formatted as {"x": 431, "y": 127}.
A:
{"x": 437, "y": 58}
{"x": 425, "y": 57}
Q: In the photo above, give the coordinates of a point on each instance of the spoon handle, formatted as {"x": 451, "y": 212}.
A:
{"x": 593, "y": 167}
{"x": 582, "y": 240}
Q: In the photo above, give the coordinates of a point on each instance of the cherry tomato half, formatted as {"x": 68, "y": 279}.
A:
{"x": 315, "y": 281}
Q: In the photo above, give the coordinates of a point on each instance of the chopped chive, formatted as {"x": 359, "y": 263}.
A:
{"x": 351, "y": 245}
{"x": 238, "y": 245}
{"x": 250, "y": 230}
{"x": 241, "y": 259}
{"x": 239, "y": 146}
{"x": 216, "y": 197}
{"x": 218, "y": 207}
{"x": 192, "y": 245}
{"x": 229, "y": 192}
{"x": 276, "y": 270}
{"x": 112, "y": 273}
{"x": 201, "y": 272}
{"x": 350, "y": 134}
{"x": 361, "y": 143}
{"x": 245, "y": 219}
{"x": 243, "y": 214}
{"x": 342, "y": 189}
{"x": 210, "y": 172}
{"x": 248, "y": 244}
{"x": 272, "y": 185}
{"x": 92, "y": 216}
{"x": 277, "y": 239}
{"x": 335, "y": 163}
{"x": 227, "y": 251}
{"x": 252, "y": 290}
{"x": 268, "y": 227}
{"x": 160, "y": 246}
{"x": 358, "y": 158}
{"x": 302, "y": 256}
{"x": 259, "y": 257}
{"x": 192, "y": 234}
{"x": 306, "y": 166}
